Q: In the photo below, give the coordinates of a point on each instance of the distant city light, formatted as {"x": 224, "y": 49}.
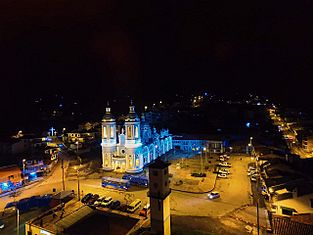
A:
{"x": 248, "y": 124}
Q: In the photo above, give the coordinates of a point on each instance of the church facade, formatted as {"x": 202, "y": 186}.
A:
{"x": 136, "y": 145}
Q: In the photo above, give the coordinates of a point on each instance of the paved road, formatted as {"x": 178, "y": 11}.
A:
{"x": 234, "y": 193}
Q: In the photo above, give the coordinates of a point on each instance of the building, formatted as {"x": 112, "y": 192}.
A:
{"x": 80, "y": 136}
{"x": 294, "y": 205}
{"x": 307, "y": 143}
{"x": 33, "y": 169}
{"x": 73, "y": 218}
{"x": 10, "y": 178}
{"x": 193, "y": 143}
{"x": 132, "y": 147}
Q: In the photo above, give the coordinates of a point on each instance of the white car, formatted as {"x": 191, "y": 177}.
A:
{"x": 226, "y": 156}
{"x": 222, "y": 176}
{"x": 251, "y": 168}
{"x": 213, "y": 195}
{"x": 107, "y": 201}
{"x": 1, "y": 224}
{"x": 225, "y": 164}
{"x": 223, "y": 172}
{"x": 225, "y": 169}
{"x": 253, "y": 178}
{"x": 251, "y": 173}
{"x": 98, "y": 202}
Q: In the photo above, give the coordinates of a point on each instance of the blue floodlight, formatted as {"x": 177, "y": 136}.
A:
{"x": 248, "y": 124}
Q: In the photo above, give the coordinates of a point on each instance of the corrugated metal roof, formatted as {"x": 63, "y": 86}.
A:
{"x": 74, "y": 217}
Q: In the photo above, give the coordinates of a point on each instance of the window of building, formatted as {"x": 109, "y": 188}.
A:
{"x": 165, "y": 172}
{"x": 136, "y": 132}
{"x": 130, "y": 161}
{"x": 104, "y": 132}
{"x": 286, "y": 211}
{"x": 128, "y": 132}
{"x": 112, "y": 132}
{"x": 137, "y": 161}
{"x": 165, "y": 183}
{"x": 155, "y": 173}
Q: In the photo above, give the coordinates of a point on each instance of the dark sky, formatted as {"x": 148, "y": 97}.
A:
{"x": 96, "y": 49}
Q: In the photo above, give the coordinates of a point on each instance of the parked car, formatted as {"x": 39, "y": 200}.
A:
{"x": 86, "y": 198}
{"x": 1, "y": 224}
{"x": 115, "y": 205}
{"x": 213, "y": 195}
{"x": 223, "y": 171}
{"x": 251, "y": 168}
{"x": 123, "y": 208}
{"x": 93, "y": 199}
{"x": 222, "y": 176}
{"x": 107, "y": 201}
{"x": 145, "y": 210}
{"x": 134, "y": 206}
{"x": 225, "y": 164}
{"x": 198, "y": 174}
{"x": 226, "y": 170}
{"x": 98, "y": 201}
{"x": 226, "y": 156}
{"x": 251, "y": 173}
{"x": 253, "y": 178}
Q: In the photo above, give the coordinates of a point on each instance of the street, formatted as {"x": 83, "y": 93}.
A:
{"x": 234, "y": 192}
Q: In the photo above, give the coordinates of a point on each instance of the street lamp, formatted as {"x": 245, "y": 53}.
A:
{"x": 76, "y": 146}
{"x": 24, "y": 161}
{"x": 17, "y": 221}
{"x": 78, "y": 185}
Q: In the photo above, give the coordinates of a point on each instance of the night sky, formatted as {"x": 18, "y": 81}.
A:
{"x": 98, "y": 49}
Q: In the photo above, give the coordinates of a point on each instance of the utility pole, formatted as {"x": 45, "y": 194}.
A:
{"x": 63, "y": 181}
{"x": 78, "y": 185}
{"x": 201, "y": 161}
{"x": 17, "y": 221}
{"x": 257, "y": 191}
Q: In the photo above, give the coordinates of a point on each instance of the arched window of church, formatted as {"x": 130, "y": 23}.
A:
{"x": 137, "y": 161}
{"x": 112, "y": 132}
{"x": 104, "y": 132}
{"x": 136, "y": 132}
{"x": 130, "y": 161}
{"x": 128, "y": 132}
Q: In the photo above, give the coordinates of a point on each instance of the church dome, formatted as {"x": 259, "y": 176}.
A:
{"x": 132, "y": 116}
{"x": 108, "y": 116}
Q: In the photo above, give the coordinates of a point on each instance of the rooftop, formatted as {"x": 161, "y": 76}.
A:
{"x": 300, "y": 204}
{"x": 158, "y": 164}
{"x": 80, "y": 219}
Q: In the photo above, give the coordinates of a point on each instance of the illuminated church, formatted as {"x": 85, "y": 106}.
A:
{"x": 130, "y": 149}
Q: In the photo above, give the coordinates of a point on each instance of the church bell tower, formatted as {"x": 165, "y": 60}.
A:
{"x": 108, "y": 142}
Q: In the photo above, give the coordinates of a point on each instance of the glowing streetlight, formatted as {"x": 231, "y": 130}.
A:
{"x": 78, "y": 185}
{"x": 76, "y": 146}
